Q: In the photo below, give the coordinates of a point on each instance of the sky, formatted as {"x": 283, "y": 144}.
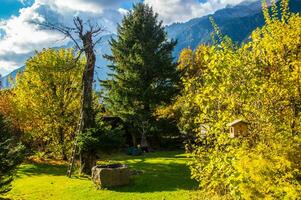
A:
{"x": 19, "y": 38}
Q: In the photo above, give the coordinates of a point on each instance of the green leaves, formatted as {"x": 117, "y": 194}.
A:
{"x": 87, "y": 140}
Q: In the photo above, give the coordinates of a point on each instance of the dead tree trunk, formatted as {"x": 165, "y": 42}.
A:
{"x": 88, "y": 158}
{"x": 85, "y": 37}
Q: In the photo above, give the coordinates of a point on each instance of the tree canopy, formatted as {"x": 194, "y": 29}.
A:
{"x": 47, "y": 100}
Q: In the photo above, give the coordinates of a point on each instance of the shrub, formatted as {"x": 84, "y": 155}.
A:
{"x": 105, "y": 138}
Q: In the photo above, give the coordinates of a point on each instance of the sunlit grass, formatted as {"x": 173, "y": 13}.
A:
{"x": 165, "y": 176}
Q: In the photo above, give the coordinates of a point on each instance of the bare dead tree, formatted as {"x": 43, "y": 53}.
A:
{"x": 85, "y": 36}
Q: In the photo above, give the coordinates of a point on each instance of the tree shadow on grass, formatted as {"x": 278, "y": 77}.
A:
{"x": 159, "y": 177}
{"x": 40, "y": 169}
{"x": 37, "y": 169}
{"x": 162, "y": 171}
{"x": 4, "y": 198}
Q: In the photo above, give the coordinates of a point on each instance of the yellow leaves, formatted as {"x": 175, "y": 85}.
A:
{"x": 259, "y": 171}
{"x": 259, "y": 81}
{"x": 165, "y": 112}
{"x": 47, "y": 95}
{"x": 185, "y": 59}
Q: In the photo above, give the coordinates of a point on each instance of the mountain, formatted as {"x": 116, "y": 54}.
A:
{"x": 6, "y": 80}
{"x": 237, "y": 22}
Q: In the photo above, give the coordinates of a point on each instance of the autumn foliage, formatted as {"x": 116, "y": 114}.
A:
{"x": 259, "y": 81}
{"x": 47, "y": 101}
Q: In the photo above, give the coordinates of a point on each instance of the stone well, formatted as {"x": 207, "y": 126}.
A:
{"x": 111, "y": 175}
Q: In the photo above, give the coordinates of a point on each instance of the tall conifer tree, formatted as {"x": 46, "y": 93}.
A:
{"x": 143, "y": 71}
{"x": 10, "y": 157}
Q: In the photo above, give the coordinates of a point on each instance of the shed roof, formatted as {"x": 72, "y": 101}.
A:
{"x": 237, "y": 121}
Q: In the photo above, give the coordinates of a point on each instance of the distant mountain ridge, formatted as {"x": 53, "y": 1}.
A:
{"x": 235, "y": 21}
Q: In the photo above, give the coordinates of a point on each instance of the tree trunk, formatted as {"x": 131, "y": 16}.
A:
{"x": 144, "y": 143}
{"x": 88, "y": 160}
{"x": 88, "y": 76}
{"x": 145, "y": 128}
{"x": 87, "y": 116}
{"x": 134, "y": 139}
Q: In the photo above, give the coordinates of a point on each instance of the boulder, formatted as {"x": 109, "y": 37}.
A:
{"x": 105, "y": 176}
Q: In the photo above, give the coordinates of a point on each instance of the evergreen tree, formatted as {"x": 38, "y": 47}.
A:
{"x": 10, "y": 157}
{"x": 143, "y": 71}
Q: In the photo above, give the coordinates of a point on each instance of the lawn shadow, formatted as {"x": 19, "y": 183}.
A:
{"x": 39, "y": 169}
{"x": 4, "y": 198}
{"x": 36, "y": 169}
{"x": 165, "y": 176}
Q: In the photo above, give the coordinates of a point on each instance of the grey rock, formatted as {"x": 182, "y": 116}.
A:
{"x": 106, "y": 176}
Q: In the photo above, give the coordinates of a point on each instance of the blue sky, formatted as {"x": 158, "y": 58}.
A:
{"x": 19, "y": 39}
{"x": 12, "y": 7}
{"x": 9, "y": 7}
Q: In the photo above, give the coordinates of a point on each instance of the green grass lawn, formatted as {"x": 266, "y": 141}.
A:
{"x": 165, "y": 176}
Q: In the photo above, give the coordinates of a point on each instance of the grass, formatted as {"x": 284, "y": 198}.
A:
{"x": 165, "y": 176}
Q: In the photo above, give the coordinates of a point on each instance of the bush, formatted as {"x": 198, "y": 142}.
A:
{"x": 105, "y": 138}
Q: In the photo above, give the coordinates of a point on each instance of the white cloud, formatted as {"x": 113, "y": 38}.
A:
{"x": 123, "y": 11}
{"x": 95, "y": 6}
{"x": 183, "y": 10}
{"x": 20, "y": 38}
{"x": 6, "y": 66}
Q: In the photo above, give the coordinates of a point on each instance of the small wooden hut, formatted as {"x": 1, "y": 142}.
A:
{"x": 238, "y": 127}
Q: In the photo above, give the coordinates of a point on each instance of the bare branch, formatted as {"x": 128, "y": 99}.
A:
{"x": 78, "y": 23}
{"x": 67, "y": 31}
{"x": 96, "y": 42}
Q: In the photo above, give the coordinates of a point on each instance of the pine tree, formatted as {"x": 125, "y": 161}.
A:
{"x": 143, "y": 71}
{"x": 10, "y": 157}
